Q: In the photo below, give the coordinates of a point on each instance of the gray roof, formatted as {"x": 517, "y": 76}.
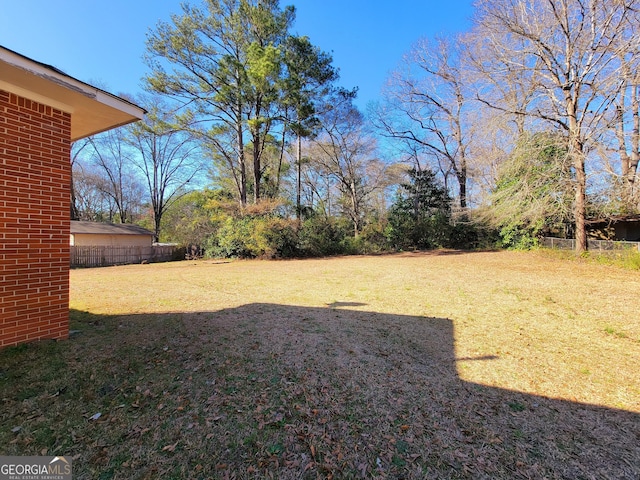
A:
{"x": 78, "y": 227}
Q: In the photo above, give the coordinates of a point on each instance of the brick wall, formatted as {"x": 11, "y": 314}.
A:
{"x": 35, "y": 174}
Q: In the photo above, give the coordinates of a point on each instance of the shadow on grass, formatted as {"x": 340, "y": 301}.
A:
{"x": 271, "y": 390}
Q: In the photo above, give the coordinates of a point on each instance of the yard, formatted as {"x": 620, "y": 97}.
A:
{"x": 428, "y": 365}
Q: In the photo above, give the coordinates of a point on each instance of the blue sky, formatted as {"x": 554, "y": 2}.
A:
{"x": 102, "y": 42}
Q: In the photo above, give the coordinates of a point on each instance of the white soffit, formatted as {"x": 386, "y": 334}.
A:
{"x": 92, "y": 110}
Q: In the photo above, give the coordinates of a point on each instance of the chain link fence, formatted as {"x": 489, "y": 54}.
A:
{"x": 592, "y": 244}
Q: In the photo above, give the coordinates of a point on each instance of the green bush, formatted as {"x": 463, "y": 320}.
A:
{"x": 472, "y": 234}
{"x": 372, "y": 239}
{"x": 281, "y": 236}
{"x": 233, "y": 239}
{"x": 255, "y": 237}
{"x": 516, "y": 237}
{"x": 408, "y": 232}
{"x": 321, "y": 236}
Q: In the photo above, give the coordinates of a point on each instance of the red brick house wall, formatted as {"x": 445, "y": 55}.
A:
{"x": 35, "y": 175}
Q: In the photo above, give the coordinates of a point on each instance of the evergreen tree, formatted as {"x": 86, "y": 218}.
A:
{"x": 420, "y": 216}
{"x": 243, "y": 80}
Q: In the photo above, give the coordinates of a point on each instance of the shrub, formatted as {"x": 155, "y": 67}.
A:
{"x": 408, "y": 232}
{"x": 281, "y": 236}
{"x": 321, "y": 236}
{"x": 372, "y": 239}
{"x": 233, "y": 239}
{"x": 471, "y": 234}
{"x": 515, "y": 237}
{"x": 255, "y": 237}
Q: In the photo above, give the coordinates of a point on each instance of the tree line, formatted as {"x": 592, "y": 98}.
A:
{"x": 527, "y": 124}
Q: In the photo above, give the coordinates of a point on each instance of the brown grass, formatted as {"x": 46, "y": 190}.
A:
{"x": 435, "y": 365}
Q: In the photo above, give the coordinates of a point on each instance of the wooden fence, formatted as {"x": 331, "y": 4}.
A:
{"x": 592, "y": 244}
{"x": 102, "y": 256}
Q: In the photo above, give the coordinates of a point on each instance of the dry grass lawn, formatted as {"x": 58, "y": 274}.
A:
{"x": 428, "y": 365}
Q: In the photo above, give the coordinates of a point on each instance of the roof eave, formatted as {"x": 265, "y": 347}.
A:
{"x": 92, "y": 109}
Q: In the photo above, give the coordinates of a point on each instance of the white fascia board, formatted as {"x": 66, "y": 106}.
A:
{"x": 59, "y": 78}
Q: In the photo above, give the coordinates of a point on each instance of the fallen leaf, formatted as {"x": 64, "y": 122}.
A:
{"x": 170, "y": 448}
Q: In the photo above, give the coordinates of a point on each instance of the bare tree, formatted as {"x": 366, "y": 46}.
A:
{"x": 90, "y": 203}
{"x": 316, "y": 188}
{"x": 627, "y": 113}
{"x": 109, "y": 154}
{"x": 343, "y": 152}
{"x": 167, "y": 157}
{"x": 76, "y": 152}
{"x": 425, "y": 104}
{"x": 568, "y": 49}
{"x": 94, "y": 195}
{"x": 495, "y": 132}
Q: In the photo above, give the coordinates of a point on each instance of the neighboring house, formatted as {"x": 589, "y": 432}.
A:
{"x": 42, "y": 110}
{"x": 615, "y": 227}
{"x": 109, "y": 234}
{"x": 95, "y": 244}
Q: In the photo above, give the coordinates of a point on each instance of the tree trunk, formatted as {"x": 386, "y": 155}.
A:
{"x": 634, "y": 159}
{"x": 299, "y": 179}
{"x": 241, "y": 163}
{"x": 462, "y": 181}
{"x": 577, "y": 155}
{"x": 75, "y": 214}
{"x": 279, "y": 172}
{"x": 257, "y": 174}
{"x": 156, "y": 233}
{"x": 355, "y": 209}
{"x": 580, "y": 206}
